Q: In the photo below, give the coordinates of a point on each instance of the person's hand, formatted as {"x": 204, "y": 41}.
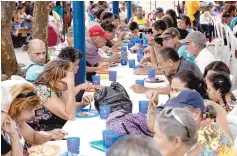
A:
{"x": 150, "y": 39}
{"x": 152, "y": 96}
{"x": 116, "y": 57}
{"x": 9, "y": 126}
{"x": 58, "y": 134}
{"x": 87, "y": 99}
{"x": 145, "y": 60}
{"x": 69, "y": 80}
{"x": 152, "y": 107}
{"x": 137, "y": 88}
{"x": 121, "y": 35}
{"x": 105, "y": 49}
{"x": 103, "y": 66}
{"x": 85, "y": 85}
{"x": 147, "y": 50}
{"x": 141, "y": 71}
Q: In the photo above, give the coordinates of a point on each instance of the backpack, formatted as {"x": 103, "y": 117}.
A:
{"x": 115, "y": 95}
{"x": 128, "y": 123}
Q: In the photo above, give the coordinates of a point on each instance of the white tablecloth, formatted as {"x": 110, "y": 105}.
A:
{"x": 90, "y": 129}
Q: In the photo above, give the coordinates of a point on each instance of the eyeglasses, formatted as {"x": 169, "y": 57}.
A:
{"x": 166, "y": 39}
{"x": 171, "y": 112}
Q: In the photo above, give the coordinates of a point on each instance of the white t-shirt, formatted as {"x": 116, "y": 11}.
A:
{"x": 204, "y": 58}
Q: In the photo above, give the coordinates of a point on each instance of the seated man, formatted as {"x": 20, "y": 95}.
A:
{"x": 37, "y": 53}
{"x": 139, "y": 18}
{"x": 10, "y": 142}
{"x": 95, "y": 40}
{"x": 89, "y": 70}
{"x": 196, "y": 46}
{"x": 184, "y": 25}
{"x": 170, "y": 63}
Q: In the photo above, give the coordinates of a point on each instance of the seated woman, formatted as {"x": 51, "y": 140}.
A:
{"x": 210, "y": 135}
{"x": 176, "y": 133}
{"x": 216, "y": 66}
{"x": 22, "y": 108}
{"x": 187, "y": 80}
{"x": 10, "y": 142}
{"x": 218, "y": 88}
{"x": 55, "y": 86}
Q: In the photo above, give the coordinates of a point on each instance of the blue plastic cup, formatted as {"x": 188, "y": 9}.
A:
{"x": 151, "y": 73}
{"x": 139, "y": 57}
{"x": 140, "y": 82}
{"x": 140, "y": 41}
{"x": 141, "y": 51}
{"x": 104, "y": 111}
{"x": 123, "y": 49}
{"x": 124, "y": 61}
{"x": 73, "y": 145}
{"x": 143, "y": 106}
{"x": 131, "y": 63}
{"x": 130, "y": 44}
{"x": 109, "y": 138}
{"x": 112, "y": 75}
{"x": 96, "y": 79}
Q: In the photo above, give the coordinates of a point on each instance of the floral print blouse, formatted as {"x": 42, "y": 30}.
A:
{"x": 211, "y": 136}
{"x": 44, "y": 120}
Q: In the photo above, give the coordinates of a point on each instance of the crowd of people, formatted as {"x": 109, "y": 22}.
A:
{"x": 198, "y": 119}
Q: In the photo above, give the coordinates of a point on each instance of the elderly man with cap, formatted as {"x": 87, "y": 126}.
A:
{"x": 97, "y": 39}
{"x": 37, "y": 53}
{"x": 196, "y": 46}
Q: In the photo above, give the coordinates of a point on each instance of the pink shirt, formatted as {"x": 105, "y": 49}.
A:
{"x": 92, "y": 54}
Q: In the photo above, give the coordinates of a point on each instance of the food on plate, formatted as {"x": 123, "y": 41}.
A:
{"x": 44, "y": 150}
{"x": 102, "y": 72}
{"x": 84, "y": 114}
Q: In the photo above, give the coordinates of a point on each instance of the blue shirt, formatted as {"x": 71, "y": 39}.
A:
{"x": 182, "y": 52}
{"x": 33, "y": 71}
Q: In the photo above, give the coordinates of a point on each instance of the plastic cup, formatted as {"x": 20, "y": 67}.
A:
{"x": 139, "y": 57}
{"x": 109, "y": 138}
{"x": 130, "y": 44}
{"x": 143, "y": 106}
{"x": 96, "y": 79}
{"x": 140, "y": 41}
{"x": 124, "y": 61}
{"x": 131, "y": 63}
{"x": 151, "y": 73}
{"x": 140, "y": 82}
{"x": 73, "y": 145}
{"x": 104, "y": 111}
{"x": 123, "y": 49}
{"x": 112, "y": 75}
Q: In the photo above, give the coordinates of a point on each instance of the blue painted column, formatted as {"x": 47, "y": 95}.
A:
{"x": 116, "y": 7}
{"x": 79, "y": 38}
{"x": 129, "y": 10}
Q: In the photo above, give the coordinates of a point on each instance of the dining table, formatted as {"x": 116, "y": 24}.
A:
{"x": 90, "y": 129}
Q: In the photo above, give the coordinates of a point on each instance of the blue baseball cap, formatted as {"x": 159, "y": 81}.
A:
{"x": 157, "y": 10}
{"x": 186, "y": 97}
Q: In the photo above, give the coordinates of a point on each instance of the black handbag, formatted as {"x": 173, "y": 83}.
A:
{"x": 115, "y": 95}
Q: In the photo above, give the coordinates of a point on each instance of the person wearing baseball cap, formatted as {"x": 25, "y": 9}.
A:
{"x": 196, "y": 46}
{"x": 97, "y": 39}
{"x": 158, "y": 12}
{"x": 209, "y": 133}
{"x": 171, "y": 38}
